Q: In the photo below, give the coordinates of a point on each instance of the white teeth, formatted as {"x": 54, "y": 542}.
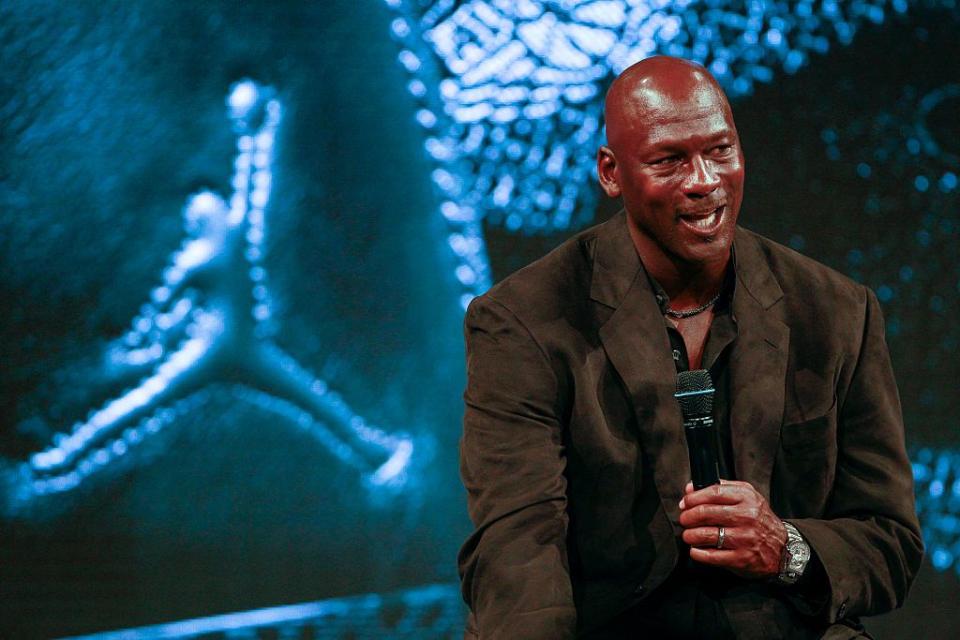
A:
{"x": 707, "y": 222}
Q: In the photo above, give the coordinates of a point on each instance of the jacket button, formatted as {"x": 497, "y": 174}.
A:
{"x": 638, "y": 590}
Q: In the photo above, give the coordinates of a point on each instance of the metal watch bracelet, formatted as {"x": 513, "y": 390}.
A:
{"x": 796, "y": 555}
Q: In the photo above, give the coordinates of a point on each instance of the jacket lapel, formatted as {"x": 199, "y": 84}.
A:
{"x": 637, "y": 345}
{"x": 758, "y": 366}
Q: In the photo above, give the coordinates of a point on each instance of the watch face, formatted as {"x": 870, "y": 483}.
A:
{"x": 799, "y": 553}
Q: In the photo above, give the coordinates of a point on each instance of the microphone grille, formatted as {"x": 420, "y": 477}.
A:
{"x": 689, "y": 383}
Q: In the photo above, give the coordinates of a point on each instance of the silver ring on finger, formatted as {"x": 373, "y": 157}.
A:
{"x": 721, "y": 534}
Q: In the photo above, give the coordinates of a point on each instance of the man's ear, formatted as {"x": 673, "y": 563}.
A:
{"x": 607, "y": 172}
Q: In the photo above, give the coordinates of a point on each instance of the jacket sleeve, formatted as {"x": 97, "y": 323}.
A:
{"x": 514, "y": 568}
{"x": 869, "y": 541}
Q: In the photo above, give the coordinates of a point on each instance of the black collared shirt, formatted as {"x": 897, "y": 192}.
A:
{"x": 716, "y": 356}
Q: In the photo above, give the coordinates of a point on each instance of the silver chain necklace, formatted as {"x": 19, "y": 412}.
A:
{"x": 687, "y": 313}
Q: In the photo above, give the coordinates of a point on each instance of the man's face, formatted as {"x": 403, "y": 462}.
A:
{"x": 677, "y": 163}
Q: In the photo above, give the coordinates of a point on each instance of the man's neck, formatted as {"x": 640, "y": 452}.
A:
{"x": 687, "y": 284}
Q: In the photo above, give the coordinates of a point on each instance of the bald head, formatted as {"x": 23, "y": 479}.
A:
{"x": 673, "y": 155}
{"x": 660, "y": 90}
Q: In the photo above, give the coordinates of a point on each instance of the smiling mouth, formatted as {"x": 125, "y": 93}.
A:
{"x": 706, "y": 222}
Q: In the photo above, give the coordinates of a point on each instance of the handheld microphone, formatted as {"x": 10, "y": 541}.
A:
{"x": 695, "y": 395}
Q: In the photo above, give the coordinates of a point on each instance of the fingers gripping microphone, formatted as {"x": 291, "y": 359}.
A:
{"x": 695, "y": 395}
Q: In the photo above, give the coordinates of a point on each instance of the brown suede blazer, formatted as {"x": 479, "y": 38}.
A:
{"x": 574, "y": 459}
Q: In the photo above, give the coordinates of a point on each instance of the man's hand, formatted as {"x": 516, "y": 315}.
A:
{"x": 754, "y": 537}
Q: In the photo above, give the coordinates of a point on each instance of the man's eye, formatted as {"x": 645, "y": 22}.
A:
{"x": 665, "y": 160}
{"x": 722, "y": 149}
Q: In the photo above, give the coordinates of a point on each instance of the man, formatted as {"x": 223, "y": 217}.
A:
{"x": 573, "y": 452}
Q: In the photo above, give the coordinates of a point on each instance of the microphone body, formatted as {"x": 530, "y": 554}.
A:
{"x": 695, "y": 395}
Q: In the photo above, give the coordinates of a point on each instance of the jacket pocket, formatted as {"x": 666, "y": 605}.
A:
{"x": 811, "y": 437}
{"x": 805, "y": 467}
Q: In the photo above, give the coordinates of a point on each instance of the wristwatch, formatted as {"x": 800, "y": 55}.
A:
{"x": 796, "y": 555}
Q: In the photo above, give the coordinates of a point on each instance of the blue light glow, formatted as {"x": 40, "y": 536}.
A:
{"x": 935, "y": 471}
{"x": 210, "y": 321}
{"x": 948, "y": 182}
{"x": 242, "y": 98}
{"x": 433, "y": 611}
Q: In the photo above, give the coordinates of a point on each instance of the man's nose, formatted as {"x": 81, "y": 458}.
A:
{"x": 703, "y": 178}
